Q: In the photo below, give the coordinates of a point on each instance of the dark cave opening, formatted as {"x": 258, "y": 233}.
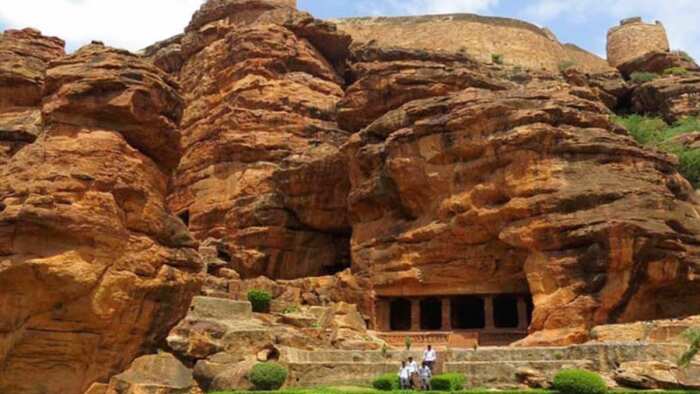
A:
{"x": 468, "y": 313}
{"x": 185, "y": 217}
{"x": 400, "y": 314}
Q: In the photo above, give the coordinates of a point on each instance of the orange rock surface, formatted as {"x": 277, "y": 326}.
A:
{"x": 261, "y": 168}
{"x": 261, "y": 143}
{"x": 491, "y": 191}
{"x": 94, "y": 268}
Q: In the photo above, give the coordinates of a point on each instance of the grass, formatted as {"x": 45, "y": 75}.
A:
{"x": 641, "y": 77}
{"x": 656, "y": 133}
{"x": 362, "y": 390}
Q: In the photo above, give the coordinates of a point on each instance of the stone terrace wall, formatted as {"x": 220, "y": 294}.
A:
{"x": 519, "y": 42}
{"x": 634, "y": 38}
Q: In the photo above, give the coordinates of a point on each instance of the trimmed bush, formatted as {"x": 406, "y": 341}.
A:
{"x": 579, "y": 381}
{"x": 675, "y": 71}
{"x": 387, "y": 382}
{"x": 448, "y": 382}
{"x": 260, "y": 299}
{"x": 641, "y": 77}
{"x": 268, "y": 376}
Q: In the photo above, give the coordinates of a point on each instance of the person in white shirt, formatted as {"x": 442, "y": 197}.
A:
{"x": 425, "y": 376}
{"x": 404, "y": 376}
{"x": 413, "y": 371}
{"x": 429, "y": 357}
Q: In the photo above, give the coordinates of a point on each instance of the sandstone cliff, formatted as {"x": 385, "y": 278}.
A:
{"x": 261, "y": 148}
{"x": 94, "y": 269}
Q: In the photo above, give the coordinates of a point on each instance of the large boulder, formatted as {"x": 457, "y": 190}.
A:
{"x": 672, "y": 97}
{"x": 657, "y": 62}
{"x": 654, "y": 375}
{"x": 154, "y": 374}
{"x": 94, "y": 270}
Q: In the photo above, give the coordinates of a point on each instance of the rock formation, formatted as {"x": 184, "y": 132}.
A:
{"x": 94, "y": 269}
{"x": 263, "y": 149}
{"x": 261, "y": 168}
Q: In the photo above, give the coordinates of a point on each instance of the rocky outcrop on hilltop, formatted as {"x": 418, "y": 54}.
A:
{"x": 672, "y": 97}
{"x": 94, "y": 268}
{"x": 24, "y": 56}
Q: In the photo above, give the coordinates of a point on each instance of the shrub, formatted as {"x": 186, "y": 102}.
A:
{"x": 693, "y": 336}
{"x": 260, "y": 300}
{"x": 448, "y": 382}
{"x": 578, "y": 381}
{"x": 675, "y": 71}
{"x": 497, "y": 58}
{"x": 268, "y": 376}
{"x": 408, "y": 343}
{"x": 565, "y": 65}
{"x": 641, "y": 77}
{"x": 387, "y": 382}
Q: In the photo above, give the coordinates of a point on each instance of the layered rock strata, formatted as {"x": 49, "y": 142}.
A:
{"x": 94, "y": 269}
{"x": 525, "y": 189}
{"x": 261, "y": 168}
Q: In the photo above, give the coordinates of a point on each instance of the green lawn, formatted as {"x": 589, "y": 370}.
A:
{"x": 361, "y": 390}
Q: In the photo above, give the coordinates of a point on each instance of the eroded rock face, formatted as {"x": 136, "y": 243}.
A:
{"x": 24, "y": 57}
{"x": 94, "y": 268}
{"x": 672, "y": 97}
{"x": 487, "y": 191}
{"x": 261, "y": 169}
{"x": 656, "y": 62}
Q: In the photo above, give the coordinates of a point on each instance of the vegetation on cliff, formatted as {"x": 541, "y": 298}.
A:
{"x": 656, "y": 133}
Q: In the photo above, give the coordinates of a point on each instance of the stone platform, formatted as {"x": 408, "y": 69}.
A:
{"x": 486, "y": 366}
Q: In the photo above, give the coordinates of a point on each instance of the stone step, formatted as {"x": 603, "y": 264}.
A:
{"x": 337, "y": 373}
{"x": 489, "y": 373}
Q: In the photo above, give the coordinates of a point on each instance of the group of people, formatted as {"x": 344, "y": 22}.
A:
{"x": 411, "y": 376}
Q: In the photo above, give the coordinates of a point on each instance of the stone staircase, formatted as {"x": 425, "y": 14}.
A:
{"x": 485, "y": 366}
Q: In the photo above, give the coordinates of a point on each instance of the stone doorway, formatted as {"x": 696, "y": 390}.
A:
{"x": 468, "y": 313}
{"x": 431, "y": 314}
{"x": 400, "y": 315}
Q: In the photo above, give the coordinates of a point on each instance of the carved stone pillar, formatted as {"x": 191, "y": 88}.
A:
{"x": 522, "y": 314}
{"x": 446, "y": 314}
{"x": 383, "y": 314}
{"x": 488, "y": 313}
{"x": 415, "y": 315}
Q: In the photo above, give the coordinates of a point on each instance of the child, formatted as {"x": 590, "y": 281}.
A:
{"x": 414, "y": 377}
{"x": 404, "y": 376}
{"x": 426, "y": 374}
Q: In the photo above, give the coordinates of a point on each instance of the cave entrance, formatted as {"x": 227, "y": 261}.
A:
{"x": 431, "y": 314}
{"x": 505, "y": 311}
{"x": 468, "y": 313}
{"x": 400, "y": 315}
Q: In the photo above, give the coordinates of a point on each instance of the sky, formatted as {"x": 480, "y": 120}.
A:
{"x": 135, "y": 24}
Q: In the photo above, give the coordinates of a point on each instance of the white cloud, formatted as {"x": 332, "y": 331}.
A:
{"x": 130, "y": 24}
{"x": 421, "y": 7}
{"x": 680, "y": 17}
